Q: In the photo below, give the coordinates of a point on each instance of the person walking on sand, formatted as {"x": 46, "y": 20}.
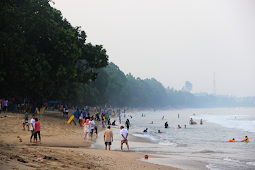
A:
{"x": 32, "y": 127}
{"x": 92, "y": 126}
{"x": 124, "y": 137}
{"x": 86, "y": 130}
{"x": 25, "y": 123}
{"x": 108, "y": 137}
{"x": 128, "y": 124}
{"x": 37, "y": 130}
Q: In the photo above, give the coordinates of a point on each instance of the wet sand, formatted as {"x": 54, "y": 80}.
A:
{"x": 62, "y": 147}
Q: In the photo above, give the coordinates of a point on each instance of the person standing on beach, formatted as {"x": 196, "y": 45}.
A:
{"x": 108, "y": 137}
{"x": 32, "y": 127}
{"x": 86, "y": 130}
{"x": 37, "y": 130}
{"x": 5, "y": 105}
{"x": 128, "y": 124}
{"x": 25, "y": 123}
{"x": 124, "y": 137}
{"x": 92, "y": 126}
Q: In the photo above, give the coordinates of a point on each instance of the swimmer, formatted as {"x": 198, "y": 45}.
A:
{"x": 145, "y": 130}
{"x": 142, "y": 114}
{"x": 166, "y": 125}
{"x": 179, "y": 126}
{"x": 185, "y": 126}
{"x": 201, "y": 122}
{"x": 151, "y": 122}
{"x": 246, "y": 139}
{"x": 162, "y": 117}
{"x": 159, "y": 131}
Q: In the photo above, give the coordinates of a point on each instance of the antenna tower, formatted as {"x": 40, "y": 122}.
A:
{"x": 214, "y": 84}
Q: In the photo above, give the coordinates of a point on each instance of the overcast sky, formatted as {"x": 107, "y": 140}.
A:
{"x": 174, "y": 41}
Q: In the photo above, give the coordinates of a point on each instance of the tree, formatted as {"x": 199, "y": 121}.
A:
{"x": 41, "y": 52}
{"x": 188, "y": 86}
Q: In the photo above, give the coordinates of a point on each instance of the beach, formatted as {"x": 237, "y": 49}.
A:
{"x": 62, "y": 147}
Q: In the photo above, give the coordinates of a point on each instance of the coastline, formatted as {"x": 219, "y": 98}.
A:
{"x": 65, "y": 143}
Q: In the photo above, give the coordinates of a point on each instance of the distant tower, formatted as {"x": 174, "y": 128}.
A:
{"x": 214, "y": 84}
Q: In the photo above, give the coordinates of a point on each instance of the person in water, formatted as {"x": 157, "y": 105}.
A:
{"x": 201, "y": 122}
{"x": 166, "y": 125}
{"x": 159, "y": 131}
{"x": 185, "y": 126}
{"x": 163, "y": 117}
{"x": 145, "y": 130}
{"x": 246, "y": 139}
{"x": 179, "y": 126}
{"x": 151, "y": 122}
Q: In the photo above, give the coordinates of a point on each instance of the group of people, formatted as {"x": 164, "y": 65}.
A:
{"x": 88, "y": 128}
{"x": 108, "y": 137}
{"x": 34, "y": 127}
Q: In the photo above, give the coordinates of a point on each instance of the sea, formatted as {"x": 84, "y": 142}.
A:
{"x": 200, "y": 146}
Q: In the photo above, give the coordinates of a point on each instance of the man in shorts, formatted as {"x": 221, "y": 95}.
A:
{"x": 108, "y": 137}
{"x": 32, "y": 127}
{"x": 25, "y": 123}
{"x": 124, "y": 137}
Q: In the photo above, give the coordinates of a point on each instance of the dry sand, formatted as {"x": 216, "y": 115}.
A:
{"x": 62, "y": 147}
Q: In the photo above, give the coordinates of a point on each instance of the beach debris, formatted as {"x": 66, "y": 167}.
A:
{"x": 146, "y": 156}
{"x": 17, "y": 136}
{"x": 22, "y": 160}
{"x": 40, "y": 159}
{"x": 50, "y": 158}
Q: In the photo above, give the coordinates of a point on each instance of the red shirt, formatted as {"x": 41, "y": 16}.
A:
{"x": 37, "y": 126}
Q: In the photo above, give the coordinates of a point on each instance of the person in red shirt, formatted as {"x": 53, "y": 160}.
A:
{"x": 37, "y": 130}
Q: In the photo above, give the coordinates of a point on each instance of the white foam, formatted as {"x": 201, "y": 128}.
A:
{"x": 241, "y": 122}
{"x": 212, "y": 167}
{"x": 145, "y": 135}
{"x": 251, "y": 163}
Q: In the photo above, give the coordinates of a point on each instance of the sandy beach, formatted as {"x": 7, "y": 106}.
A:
{"x": 62, "y": 147}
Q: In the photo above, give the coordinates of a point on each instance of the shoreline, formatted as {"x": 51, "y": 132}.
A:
{"x": 63, "y": 142}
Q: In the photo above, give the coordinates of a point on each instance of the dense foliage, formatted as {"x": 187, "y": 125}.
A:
{"x": 41, "y": 52}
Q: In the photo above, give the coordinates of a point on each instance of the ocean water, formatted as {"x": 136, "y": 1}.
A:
{"x": 198, "y": 146}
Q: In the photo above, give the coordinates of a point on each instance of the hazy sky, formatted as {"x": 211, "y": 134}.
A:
{"x": 174, "y": 41}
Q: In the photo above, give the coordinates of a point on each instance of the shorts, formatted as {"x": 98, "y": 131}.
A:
{"x": 108, "y": 143}
{"x": 91, "y": 131}
{"x": 25, "y": 122}
{"x": 96, "y": 129}
{"x": 124, "y": 141}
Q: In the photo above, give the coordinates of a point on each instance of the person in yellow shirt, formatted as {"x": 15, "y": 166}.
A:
{"x": 246, "y": 139}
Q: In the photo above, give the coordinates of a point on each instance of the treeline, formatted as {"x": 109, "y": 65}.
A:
{"x": 43, "y": 57}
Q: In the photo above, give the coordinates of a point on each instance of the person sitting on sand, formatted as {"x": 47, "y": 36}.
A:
{"x": 145, "y": 130}
{"x": 113, "y": 123}
{"x": 179, "y": 126}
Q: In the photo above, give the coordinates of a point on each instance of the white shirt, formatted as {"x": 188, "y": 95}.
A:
{"x": 86, "y": 128}
{"x": 124, "y": 133}
{"x": 32, "y": 121}
{"x": 92, "y": 123}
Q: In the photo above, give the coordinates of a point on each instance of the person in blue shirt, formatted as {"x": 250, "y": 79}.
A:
{"x": 145, "y": 130}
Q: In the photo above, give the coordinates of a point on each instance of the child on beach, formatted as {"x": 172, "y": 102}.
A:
{"x": 37, "y": 130}
{"x": 25, "y": 123}
{"x": 86, "y": 130}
